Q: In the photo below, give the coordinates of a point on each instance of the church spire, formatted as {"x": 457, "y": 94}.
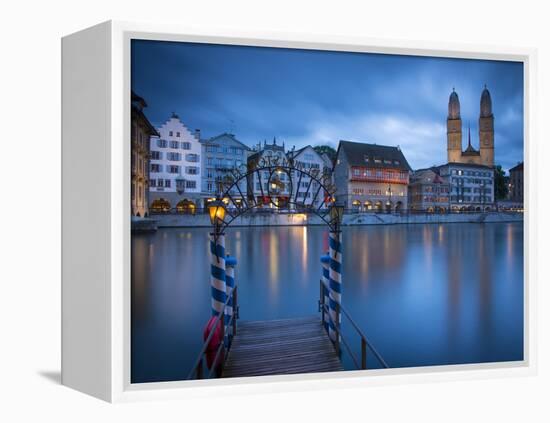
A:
{"x": 470, "y": 149}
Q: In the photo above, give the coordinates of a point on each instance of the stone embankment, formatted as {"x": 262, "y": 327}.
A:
{"x": 298, "y": 219}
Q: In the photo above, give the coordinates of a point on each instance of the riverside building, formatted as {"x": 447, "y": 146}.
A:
{"x": 428, "y": 192}
{"x": 371, "y": 177}
{"x": 471, "y": 186}
{"x": 220, "y": 155}
{"x": 142, "y": 130}
{"x": 175, "y": 169}
{"x": 304, "y": 189}
{"x": 261, "y": 190}
{"x": 516, "y": 183}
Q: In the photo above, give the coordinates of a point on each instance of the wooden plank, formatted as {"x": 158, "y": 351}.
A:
{"x": 276, "y": 347}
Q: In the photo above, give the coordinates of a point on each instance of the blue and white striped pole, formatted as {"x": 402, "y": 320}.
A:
{"x": 325, "y": 261}
{"x": 230, "y": 263}
{"x": 217, "y": 272}
{"x": 335, "y": 280}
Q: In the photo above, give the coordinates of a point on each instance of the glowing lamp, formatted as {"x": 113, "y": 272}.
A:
{"x": 216, "y": 210}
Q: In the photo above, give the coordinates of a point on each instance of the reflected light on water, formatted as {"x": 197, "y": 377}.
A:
{"x": 304, "y": 248}
{"x": 273, "y": 263}
{"x": 433, "y": 295}
{"x": 509, "y": 243}
{"x": 428, "y": 246}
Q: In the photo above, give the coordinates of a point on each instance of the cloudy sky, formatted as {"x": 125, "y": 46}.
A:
{"x": 316, "y": 97}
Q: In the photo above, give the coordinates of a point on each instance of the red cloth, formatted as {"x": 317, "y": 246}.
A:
{"x": 215, "y": 341}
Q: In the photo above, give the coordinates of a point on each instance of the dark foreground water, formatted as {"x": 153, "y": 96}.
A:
{"x": 423, "y": 294}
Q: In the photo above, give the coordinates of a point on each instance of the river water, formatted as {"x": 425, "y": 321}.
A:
{"x": 422, "y": 294}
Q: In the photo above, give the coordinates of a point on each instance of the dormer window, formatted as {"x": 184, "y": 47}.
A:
{"x": 366, "y": 158}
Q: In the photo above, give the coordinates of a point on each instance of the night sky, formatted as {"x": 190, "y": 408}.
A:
{"x": 317, "y": 97}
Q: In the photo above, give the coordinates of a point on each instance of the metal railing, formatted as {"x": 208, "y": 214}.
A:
{"x": 197, "y": 371}
{"x": 365, "y": 344}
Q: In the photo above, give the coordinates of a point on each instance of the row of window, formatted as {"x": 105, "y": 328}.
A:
{"x": 475, "y": 190}
{"x": 167, "y": 183}
{"x": 378, "y": 173}
{"x": 211, "y": 148}
{"x": 379, "y": 160}
{"x": 468, "y": 198}
{"x": 461, "y": 172}
{"x": 429, "y": 188}
{"x": 463, "y": 181}
{"x": 376, "y": 191}
{"x": 173, "y": 156}
{"x": 184, "y": 145}
{"x": 175, "y": 169}
{"x": 307, "y": 165}
{"x": 217, "y": 161}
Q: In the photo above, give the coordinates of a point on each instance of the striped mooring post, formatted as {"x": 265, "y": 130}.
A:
{"x": 230, "y": 263}
{"x": 217, "y": 272}
{"x": 325, "y": 261}
{"x": 335, "y": 281}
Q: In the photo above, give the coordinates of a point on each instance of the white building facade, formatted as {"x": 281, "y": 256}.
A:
{"x": 308, "y": 190}
{"x": 471, "y": 186}
{"x": 286, "y": 188}
{"x": 175, "y": 169}
{"x": 257, "y": 183}
{"x": 220, "y": 155}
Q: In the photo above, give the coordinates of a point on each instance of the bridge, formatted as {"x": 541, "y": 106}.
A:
{"x": 282, "y": 346}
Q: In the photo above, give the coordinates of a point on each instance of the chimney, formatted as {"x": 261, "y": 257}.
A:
{"x": 198, "y": 134}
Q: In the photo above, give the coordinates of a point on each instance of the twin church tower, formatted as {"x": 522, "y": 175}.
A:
{"x": 486, "y": 153}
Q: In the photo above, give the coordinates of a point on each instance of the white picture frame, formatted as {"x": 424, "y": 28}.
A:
{"x": 96, "y": 213}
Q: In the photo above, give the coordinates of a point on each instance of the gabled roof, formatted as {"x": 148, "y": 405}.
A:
{"x": 225, "y": 134}
{"x": 456, "y": 164}
{"x": 373, "y": 155}
{"x": 517, "y": 167}
{"x": 138, "y": 103}
{"x": 296, "y": 153}
{"x": 429, "y": 175}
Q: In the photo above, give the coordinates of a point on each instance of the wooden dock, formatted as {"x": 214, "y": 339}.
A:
{"x": 277, "y": 347}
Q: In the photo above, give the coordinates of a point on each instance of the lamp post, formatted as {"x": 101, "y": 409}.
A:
{"x": 335, "y": 271}
{"x": 389, "y": 200}
{"x": 216, "y": 211}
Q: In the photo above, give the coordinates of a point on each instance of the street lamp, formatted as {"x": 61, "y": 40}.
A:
{"x": 216, "y": 210}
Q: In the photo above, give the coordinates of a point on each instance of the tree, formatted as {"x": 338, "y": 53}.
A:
{"x": 501, "y": 187}
{"x": 326, "y": 149}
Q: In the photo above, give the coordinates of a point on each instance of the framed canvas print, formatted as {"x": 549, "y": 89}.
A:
{"x": 250, "y": 212}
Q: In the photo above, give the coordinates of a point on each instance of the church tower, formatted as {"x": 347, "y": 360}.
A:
{"x": 454, "y": 130}
{"x": 486, "y": 129}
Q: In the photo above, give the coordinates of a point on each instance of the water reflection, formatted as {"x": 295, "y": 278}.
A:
{"x": 424, "y": 294}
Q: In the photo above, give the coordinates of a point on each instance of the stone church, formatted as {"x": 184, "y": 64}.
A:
{"x": 485, "y": 155}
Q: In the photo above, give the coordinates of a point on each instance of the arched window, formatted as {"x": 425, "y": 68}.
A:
{"x": 160, "y": 205}
{"x": 186, "y": 207}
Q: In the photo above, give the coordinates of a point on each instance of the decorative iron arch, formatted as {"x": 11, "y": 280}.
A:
{"x": 286, "y": 188}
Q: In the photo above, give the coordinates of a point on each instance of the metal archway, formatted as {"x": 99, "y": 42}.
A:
{"x": 276, "y": 185}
